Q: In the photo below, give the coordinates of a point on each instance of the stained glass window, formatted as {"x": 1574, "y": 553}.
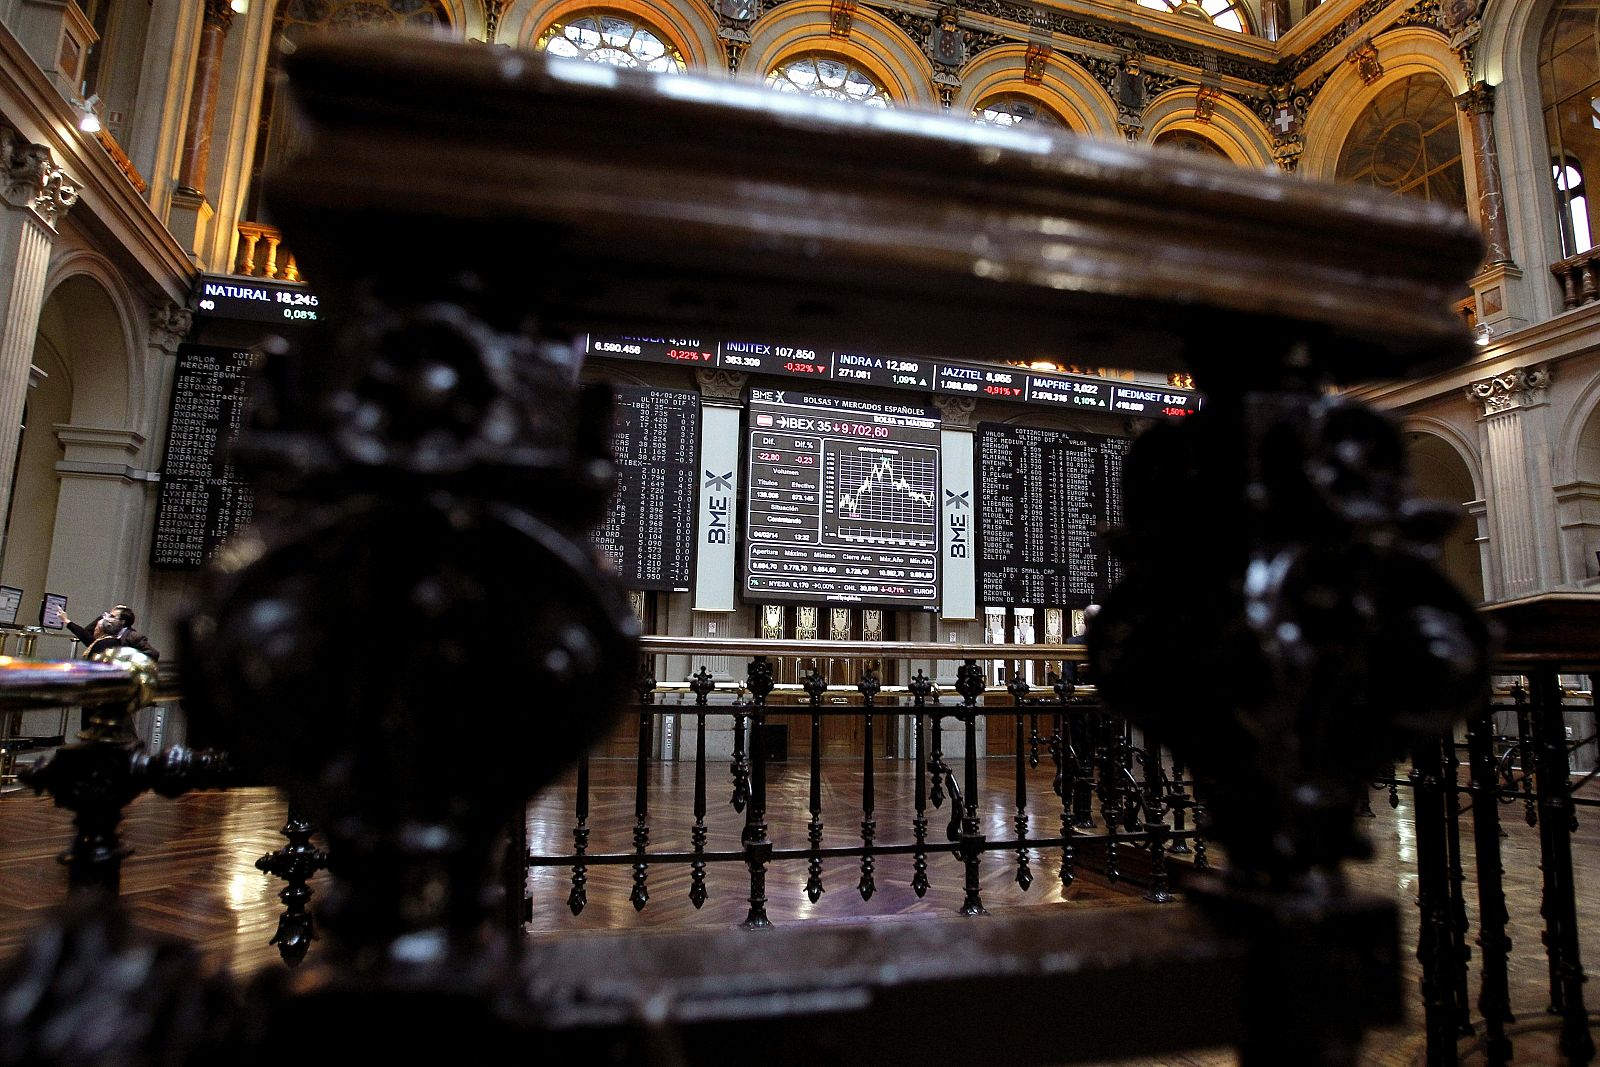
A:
{"x": 1016, "y": 109}
{"x": 1569, "y": 88}
{"x": 1229, "y": 14}
{"x": 1407, "y": 141}
{"x": 1187, "y": 141}
{"x": 614, "y": 38}
{"x": 828, "y": 75}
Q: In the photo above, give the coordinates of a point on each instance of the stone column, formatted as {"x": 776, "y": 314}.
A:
{"x": 1477, "y": 103}
{"x": 1515, "y": 442}
{"x": 196, "y": 158}
{"x": 37, "y": 194}
{"x": 1496, "y": 287}
{"x": 191, "y": 215}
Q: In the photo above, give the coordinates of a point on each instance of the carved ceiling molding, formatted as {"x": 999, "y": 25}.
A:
{"x": 1520, "y": 387}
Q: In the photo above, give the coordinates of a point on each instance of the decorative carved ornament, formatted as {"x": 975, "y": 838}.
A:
{"x": 721, "y": 384}
{"x": 955, "y": 410}
{"x": 1364, "y": 57}
{"x": 33, "y": 180}
{"x": 218, "y": 13}
{"x": 1205, "y": 102}
{"x": 169, "y": 325}
{"x": 839, "y": 624}
{"x": 805, "y": 624}
{"x": 1033, "y": 63}
{"x": 772, "y": 621}
{"x": 946, "y": 43}
{"x": 871, "y": 625}
{"x": 1478, "y": 100}
{"x": 1517, "y": 388}
{"x": 840, "y": 14}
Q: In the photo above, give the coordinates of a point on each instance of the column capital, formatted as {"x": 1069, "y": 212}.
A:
{"x": 218, "y": 13}
{"x": 33, "y": 180}
{"x": 1477, "y": 100}
{"x": 1519, "y": 387}
{"x": 955, "y": 411}
{"x": 721, "y": 384}
{"x": 169, "y": 325}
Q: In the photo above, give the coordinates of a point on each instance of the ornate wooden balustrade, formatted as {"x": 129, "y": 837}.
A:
{"x": 427, "y": 469}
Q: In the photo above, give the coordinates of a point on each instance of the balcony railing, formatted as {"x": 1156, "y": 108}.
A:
{"x": 262, "y": 255}
{"x": 1579, "y": 276}
{"x": 1104, "y": 800}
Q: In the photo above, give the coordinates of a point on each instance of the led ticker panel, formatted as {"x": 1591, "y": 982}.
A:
{"x": 1046, "y": 496}
{"x": 648, "y": 532}
{"x": 842, "y": 499}
{"x": 202, "y": 500}
{"x": 976, "y": 380}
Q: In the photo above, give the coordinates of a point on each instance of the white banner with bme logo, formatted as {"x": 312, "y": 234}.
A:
{"x": 959, "y": 599}
{"x": 718, "y": 476}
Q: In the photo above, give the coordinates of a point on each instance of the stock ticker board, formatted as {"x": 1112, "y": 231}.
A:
{"x": 202, "y": 501}
{"x": 648, "y": 531}
{"x": 842, "y": 501}
{"x": 979, "y": 381}
{"x": 1047, "y": 496}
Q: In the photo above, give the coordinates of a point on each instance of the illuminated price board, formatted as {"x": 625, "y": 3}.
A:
{"x": 228, "y": 296}
{"x": 842, "y": 501}
{"x": 681, "y": 350}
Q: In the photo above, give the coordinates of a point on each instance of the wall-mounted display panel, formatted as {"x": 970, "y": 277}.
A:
{"x": 648, "y": 531}
{"x": 1044, "y": 498}
{"x": 841, "y": 501}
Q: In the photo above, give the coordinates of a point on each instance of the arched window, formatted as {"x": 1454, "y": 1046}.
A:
{"x": 1406, "y": 141}
{"x": 1188, "y": 141}
{"x": 1016, "y": 109}
{"x": 1569, "y": 86}
{"x": 615, "y": 38}
{"x": 1228, "y": 14}
{"x": 829, "y": 75}
{"x": 299, "y": 20}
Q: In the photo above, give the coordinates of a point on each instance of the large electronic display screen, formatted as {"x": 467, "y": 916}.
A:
{"x": 648, "y": 531}
{"x": 841, "y": 501}
{"x": 1045, "y": 496}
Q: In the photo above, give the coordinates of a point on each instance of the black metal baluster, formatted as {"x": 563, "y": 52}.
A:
{"x": 920, "y": 687}
{"x": 1110, "y": 786}
{"x": 869, "y": 687}
{"x": 1084, "y": 726}
{"x": 1525, "y": 752}
{"x": 1019, "y": 694}
{"x": 640, "y": 896}
{"x": 739, "y": 763}
{"x": 296, "y": 862}
{"x": 701, "y": 684}
{"x": 937, "y": 770}
{"x": 1460, "y": 951}
{"x": 1179, "y": 801}
{"x": 1439, "y": 1001}
{"x": 578, "y": 896}
{"x": 1066, "y": 759}
{"x": 1555, "y": 859}
{"x": 1494, "y": 996}
{"x": 815, "y": 686}
{"x": 970, "y": 684}
{"x": 1033, "y": 739}
{"x": 1155, "y": 820}
{"x": 757, "y": 848}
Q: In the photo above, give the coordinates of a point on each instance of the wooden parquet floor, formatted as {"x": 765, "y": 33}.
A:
{"x": 192, "y": 875}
